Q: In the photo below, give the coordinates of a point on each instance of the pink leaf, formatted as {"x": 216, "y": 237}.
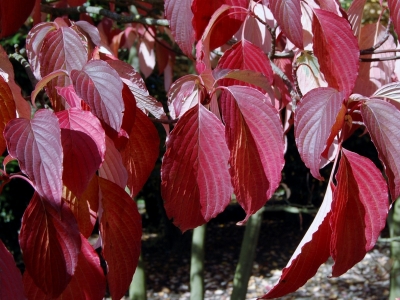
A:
{"x": 138, "y": 88}
{"x": 147, "y": 55}
{"x": 50, "y": 244}
{"x": 359, "y": 210}
{"x": 141, "y": 152}
{"x": 90, "y": 30}
{"x": 246, "y": 56}
{"x": 179, "y": 15}
{"x": 394, "y": 7}
{"x": 195, "y": 179}
{"x": 381, "y": 119}
{"x": 256, "y": 146}
{"x": 355, "y": 14}
{"x": 62, "y": 49}
{"x": 372, "y": 75}
{"x": 83, "y": 142}
{"x": 10, "y": 276}
{"x": 100, "y": 86}
{"x": 70, "y": 96}
{"x": 36, "y": 144}
{"x": 288, "y": 15}
{"x": 121, "y": 232}
{"x": 112, "y": 168}
{"x": 88, "y": 281}
{"x": 316, "y": 114}
{"x": 312, "y": 251}
{"x": 333, "y": 39}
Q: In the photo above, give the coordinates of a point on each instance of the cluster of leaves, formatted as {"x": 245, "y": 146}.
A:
{"x": 96, "y": 142}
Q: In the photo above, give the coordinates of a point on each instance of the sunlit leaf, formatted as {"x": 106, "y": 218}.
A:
{"x": 195, "y": 179}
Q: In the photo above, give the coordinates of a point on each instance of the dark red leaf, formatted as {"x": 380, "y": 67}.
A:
{"x": 246, "y": 56}
{"x": 83, "y": 142}
{"x": 10, "y": 276}
{"x": 381, "y": 119}
{"x": 112, "y": 168}
{"x": 50, "y": 244}
{"x": 312, "y": 251}
{"x": 62, "y": 49}
{"x": 100, "y": 86}
{"x": 288, "y": 15}
{"x": 195, "y": 179}
{"x": 121, "y": 232}
{"x": 88, "y": 282}
{"x": 179, "y": 15}
{"x": 315, "y": 117}
{"x": 36, "y": 144}
{"x": 13, "y": 14}
{"x": 230, "y": 20}
{"x": 256, "y": 146}
{"x": 7, "y": 110}
{"x": 85, "y": 207}
{"x": 394, "y": 8}
{"x": 359, "y": 210}
{"x": 141, "y": 152}
{"x": 333, "y": 39}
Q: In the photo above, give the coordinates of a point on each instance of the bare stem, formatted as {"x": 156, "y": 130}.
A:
{"x": 105, "y": 13}
{"x": 380, "y": 42}
{"x": 379, "y": 59}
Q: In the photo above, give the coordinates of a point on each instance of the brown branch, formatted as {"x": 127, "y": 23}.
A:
{"x": 163, "y": 121}
{"x": 105, "y": 13}
{"x": 379, "y": 59}
{"x": 380, "y": 42}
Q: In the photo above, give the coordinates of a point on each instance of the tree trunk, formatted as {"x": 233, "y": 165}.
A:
{"x": 137, "y": 290}
{"x": 197, "y": 264}
{"x": 246, "y": 258}
{"x": 394, "y": 224}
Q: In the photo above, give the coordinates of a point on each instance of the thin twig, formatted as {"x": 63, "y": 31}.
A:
{"x": 382, "y": 51}
{"x": 380, "y": 42}
{"x": 105, "y": 13}
{"x": 379, "y": 59}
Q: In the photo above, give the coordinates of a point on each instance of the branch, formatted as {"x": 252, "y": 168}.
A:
{"x": 103, "y": 12}
{"x": 293, "y": 94}
{"x": 380, "y": 43}
{"x": 379, "y": 59}
{"x": 20, "y": 59}
{"x": 163, "y": 121}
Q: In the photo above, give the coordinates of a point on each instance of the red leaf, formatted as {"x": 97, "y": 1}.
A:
{"x": 62, "y": 49}
{"x": 7, "y": 110}
{"x": 394, "y": 7}
{"x": 315, "y": 117}
{"x": 230, "y": 20}
{"x": 7, "y": 72}
{"x": 179, "y": 15}
{"x": 84, "y": 207}
{"x": 121, "y": 232}
{"x": 100, "y": 86}
{"x": 36, "y": 144}
{"x": 312, "y": 251}
{"x": 112, "y": 168}
{"x": 359, "y": 210}
{"x": 10, "y": 276}
{"x": 72, "y": 99}
{"x": 138, "y": 88}
{"x": 195, "y": 179}
{"x": 373, "y": 75}
{"x": 88, "y": 282}
{"x": 50, "y": 244}
{"x": 83, "y": 142}
{"x": 13, "y": 14}
{"x": 141, "y": 152}
{"x": 288, "y": 16}
{"x": 256, "y": 146}
{"x": 381, "y": 119}
{"x": 246, "y": 56}
{"x": 333, "y": 39}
